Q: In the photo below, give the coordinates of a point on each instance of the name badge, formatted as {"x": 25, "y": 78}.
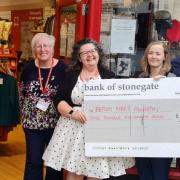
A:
{"x": 1, "y": 80}
{"x": 42, "y": 105}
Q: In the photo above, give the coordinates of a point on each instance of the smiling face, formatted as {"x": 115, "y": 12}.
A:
{"x": 43, "y": 50}
{"x": 88, "y": 55}
{"x": 156, "y": 56}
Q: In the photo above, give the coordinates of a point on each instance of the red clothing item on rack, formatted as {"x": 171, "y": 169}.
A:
{"x": 173, "y": 34}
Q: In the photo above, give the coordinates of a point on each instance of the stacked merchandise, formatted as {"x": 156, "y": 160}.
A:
{"x": 5, "y": 29}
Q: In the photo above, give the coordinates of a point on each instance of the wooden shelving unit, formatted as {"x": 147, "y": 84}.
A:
{"x": 10, "y": 56}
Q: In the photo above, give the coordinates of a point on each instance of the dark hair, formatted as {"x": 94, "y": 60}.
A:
{"x": 76, "y": 64}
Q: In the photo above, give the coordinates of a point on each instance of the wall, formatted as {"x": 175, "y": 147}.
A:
{"x": 8, "y": 5}
{"x": 173, "y": 6}
{"x": 176, "y": 12}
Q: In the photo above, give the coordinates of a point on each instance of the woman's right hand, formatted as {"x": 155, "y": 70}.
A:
{"x": 158, "y": 77}
{"x": 79, "y": 116}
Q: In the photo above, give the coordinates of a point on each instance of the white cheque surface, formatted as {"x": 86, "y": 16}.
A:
{"x": 133, "y": 117}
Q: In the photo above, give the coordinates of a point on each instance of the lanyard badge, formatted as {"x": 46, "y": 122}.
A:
{"x": 42, "y": 105}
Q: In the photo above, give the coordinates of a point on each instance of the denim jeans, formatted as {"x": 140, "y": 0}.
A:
{"x": 36, "y": 142}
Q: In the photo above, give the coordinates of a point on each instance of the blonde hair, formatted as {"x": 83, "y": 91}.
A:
{"x": 166, "y": 63}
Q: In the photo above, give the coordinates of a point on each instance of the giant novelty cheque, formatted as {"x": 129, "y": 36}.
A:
{"x": 132, "y": 117}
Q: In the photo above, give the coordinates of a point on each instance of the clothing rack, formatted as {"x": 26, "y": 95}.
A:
{"x": 8, "y": 74}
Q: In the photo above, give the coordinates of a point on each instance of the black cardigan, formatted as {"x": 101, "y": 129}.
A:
{"x": 71, "y": 77}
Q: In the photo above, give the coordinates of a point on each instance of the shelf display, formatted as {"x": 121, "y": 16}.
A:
{"x": 8, "y": 55}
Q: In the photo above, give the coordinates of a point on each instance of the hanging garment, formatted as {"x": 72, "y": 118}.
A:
{"x": 173, "y": 34}
{"x": 49, "y": 25}
{"x": 9, "y": 101}
{"x": 163, "y": 22}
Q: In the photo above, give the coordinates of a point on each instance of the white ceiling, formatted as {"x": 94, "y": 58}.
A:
{"x": 18, "y": 2}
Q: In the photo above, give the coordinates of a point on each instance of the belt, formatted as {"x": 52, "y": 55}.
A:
{"x": 77, "y": 105}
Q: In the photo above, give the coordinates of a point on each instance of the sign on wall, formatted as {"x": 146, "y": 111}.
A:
{"x": 19, "y": 16}
{"x": 5, "y": 15}
{"x": 123, "y": 36}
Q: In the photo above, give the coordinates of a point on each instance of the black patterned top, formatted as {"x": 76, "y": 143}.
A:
{"x": 30, "y": 94}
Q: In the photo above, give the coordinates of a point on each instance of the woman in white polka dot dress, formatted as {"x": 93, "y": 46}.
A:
{"x": 67, "y": 147}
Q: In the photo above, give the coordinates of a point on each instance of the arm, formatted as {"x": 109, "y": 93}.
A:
{"x": 66, "y": 110}
{"x": 63, "y": 100}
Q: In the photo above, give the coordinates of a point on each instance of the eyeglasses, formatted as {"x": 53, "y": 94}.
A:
{"x": 85, "y": 53}
{"x": 42, "y": 46}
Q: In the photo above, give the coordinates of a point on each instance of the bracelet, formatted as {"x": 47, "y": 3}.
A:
{"x": 70, "y": 113}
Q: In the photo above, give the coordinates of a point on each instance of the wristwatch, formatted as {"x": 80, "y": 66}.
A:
{"x": 70, "y": 113}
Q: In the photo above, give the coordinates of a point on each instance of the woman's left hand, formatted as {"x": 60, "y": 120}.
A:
{"x": 79, "y": 116}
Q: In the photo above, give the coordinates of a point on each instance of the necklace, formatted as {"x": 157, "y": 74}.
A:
{"x": 84, "y": 76}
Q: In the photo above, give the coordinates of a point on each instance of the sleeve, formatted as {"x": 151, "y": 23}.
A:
{"x": 14, "y": 99}
{"x": 171, "y": 75}
{"x": 141, "y": 75}
{"x": 22, "y": 88}
{"x": 63, "y": 91}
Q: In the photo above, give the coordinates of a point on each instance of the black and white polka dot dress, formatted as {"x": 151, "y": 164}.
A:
{"x": 67, "y": 148}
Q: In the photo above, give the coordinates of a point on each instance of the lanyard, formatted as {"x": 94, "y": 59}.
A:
{"x": 44, "y": 89}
